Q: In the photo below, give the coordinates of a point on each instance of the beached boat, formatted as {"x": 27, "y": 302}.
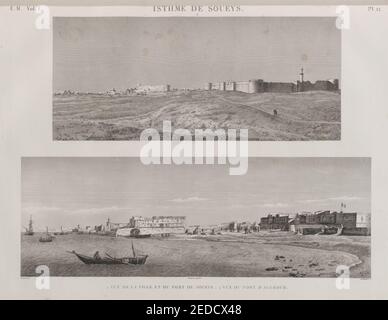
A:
{"x": 330, "y": 230}
{"x": 136, "y": 259}
{"x": 29, "y": 230}
{"x": 47, "y": 237}
{"x": 142, "y": 236}
{"x": 91, "y": 260}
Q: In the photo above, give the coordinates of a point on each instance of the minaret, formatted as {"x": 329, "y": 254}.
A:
{"x": 30, "y": 225}
{"x": 301, "y": 75}
{"x": 300, "y": 85}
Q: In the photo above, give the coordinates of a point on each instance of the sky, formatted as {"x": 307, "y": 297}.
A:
{"x": 69, "y": 191}
{"x": 97, "y": 54}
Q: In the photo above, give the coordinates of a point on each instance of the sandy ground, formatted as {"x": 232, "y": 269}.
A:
{"x": 301, "y": 116}
{"x": 357, "y": 246}
{"x": 277, "y": 254}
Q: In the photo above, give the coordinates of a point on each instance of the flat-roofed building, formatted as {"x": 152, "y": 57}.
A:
{"x": 274, "y": 221}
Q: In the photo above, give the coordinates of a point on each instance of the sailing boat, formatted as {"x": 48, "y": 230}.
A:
{"x": 136, "y": 259}
{"x": 46, "y": 237}
{"x": 29, "y": 230}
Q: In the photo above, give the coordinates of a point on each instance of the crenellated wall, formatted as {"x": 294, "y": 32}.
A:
{"x": 242, "y": 86}
{"x": 259, "y": 85}
{"x": 218, "y": 86}
{"x": 325, "y": 85}
{"x": 230, "y": 86}
{"x": 279, "y": 87}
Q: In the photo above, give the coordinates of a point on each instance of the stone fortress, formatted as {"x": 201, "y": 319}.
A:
{"x": 251, "y": 86}
{"x": 259, "y": 85}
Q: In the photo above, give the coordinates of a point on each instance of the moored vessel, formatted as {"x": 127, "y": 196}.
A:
{"x": 47, "y": 237}
{"x": 29, "y": 230}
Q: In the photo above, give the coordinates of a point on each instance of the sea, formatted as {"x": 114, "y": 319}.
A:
{"x": 178, "y": 256}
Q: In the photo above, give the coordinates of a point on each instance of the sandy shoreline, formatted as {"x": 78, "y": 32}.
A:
{"x": 228, "y": 255}
{"x": 358, "y": 247}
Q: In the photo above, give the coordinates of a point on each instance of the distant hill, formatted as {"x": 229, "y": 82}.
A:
{"x": 314, "y": 115}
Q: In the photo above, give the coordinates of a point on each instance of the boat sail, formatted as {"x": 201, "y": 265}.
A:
{"x": 133, "y": 250}
{"x": 29, "y": 230}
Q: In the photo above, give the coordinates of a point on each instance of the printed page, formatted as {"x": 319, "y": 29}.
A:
{"x": 193, "y": 151}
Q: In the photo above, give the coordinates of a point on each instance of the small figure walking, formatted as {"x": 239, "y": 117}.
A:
{"x": 275, "y": 112}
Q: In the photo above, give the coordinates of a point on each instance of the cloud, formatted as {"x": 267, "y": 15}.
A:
{"x": 189, "y": 199}
{"x": 311, "y": 200}
{"x": 39, "y": 209}
{"x": 275, "y": 205}
{"x": 102, "y": 210}
{"x": 342, "y": 198}
{"x": 345, "y": 198}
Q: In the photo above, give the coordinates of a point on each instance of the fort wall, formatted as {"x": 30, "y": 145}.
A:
{"x": 259, "y": 85}
{"x": 242, "y": 86}
{"x": 325, "y": 85}
{"x": 279, "y": 87}
{"x": 230, "y": 86}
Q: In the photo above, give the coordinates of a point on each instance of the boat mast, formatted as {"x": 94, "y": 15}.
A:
{"x": 133, "y": 250}
{"x": 30, "y": 225}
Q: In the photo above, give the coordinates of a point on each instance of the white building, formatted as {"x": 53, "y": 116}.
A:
{"x": 149, "y": 89}
{"x": 153, "y": 225}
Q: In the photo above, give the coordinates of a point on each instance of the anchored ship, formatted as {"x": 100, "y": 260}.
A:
{"x": 29, "y": 230}
{"x": 47, "y": 237}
